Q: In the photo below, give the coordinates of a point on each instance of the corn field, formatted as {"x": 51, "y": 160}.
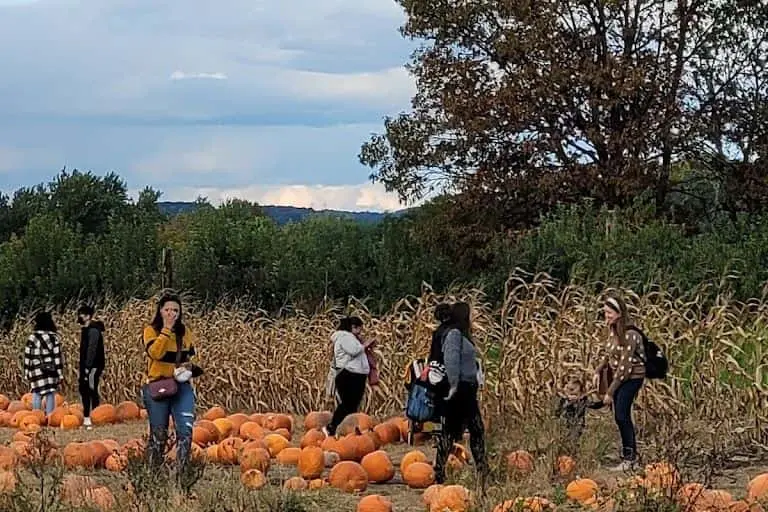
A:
{"x": 252, "y": 362}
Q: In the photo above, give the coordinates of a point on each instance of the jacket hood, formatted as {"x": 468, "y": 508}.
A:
{"x": 341, "y": 334}
{"x": 97, "y": 324}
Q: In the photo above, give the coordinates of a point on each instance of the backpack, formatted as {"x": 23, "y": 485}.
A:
{"x": 656, "y": 364}
{"x": 421, "y": 403}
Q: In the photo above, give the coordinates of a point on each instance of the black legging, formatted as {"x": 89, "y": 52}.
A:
{"x": 351, "y": 388}
{"x": 89, "y": 392}
{"x": 461, "y": 412}
{"x": 622, "y": 408}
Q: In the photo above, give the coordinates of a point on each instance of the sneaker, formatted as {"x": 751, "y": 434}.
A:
{"x": 325, "y": 432}
{"x": 87, "y": 423}
{"x": 625, "y": 466}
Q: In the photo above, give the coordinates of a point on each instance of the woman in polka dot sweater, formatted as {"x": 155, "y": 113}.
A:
{"x": 623, "y": 362}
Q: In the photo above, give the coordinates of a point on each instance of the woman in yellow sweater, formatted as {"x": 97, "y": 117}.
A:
{"x": 169, "y": 346}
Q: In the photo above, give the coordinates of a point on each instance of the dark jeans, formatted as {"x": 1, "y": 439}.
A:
{"x": 182, "y": 407}
{"x": 622, "y": 407}
{"x": 89, "y": 391}
{"x": 350, "y": 388}
{"x": 461, "y": 412}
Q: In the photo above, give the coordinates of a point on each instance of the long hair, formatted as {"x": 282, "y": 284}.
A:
{"x": 460, "y": 318}
{"x": 619, "y": 328}
{"x": 44, "y": 322}
{"x": 157, "y": 322}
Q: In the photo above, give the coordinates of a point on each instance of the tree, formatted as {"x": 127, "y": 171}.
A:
{"x": 524, "y": 104}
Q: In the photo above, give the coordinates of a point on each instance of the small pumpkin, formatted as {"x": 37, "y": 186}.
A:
{"x": 289, "y": 456}
{"x": 379, "y": 467}
{"x": 451, "y": 498}
{"x": 295, "y": 483}
{"x": 311, "y": 462}
{"x": 582, "y": 490}
{"x": 105, "y": 414}
{"x": 419, "y": 475}
{"x": 520, "y": 461}
{"x": 374, "y": 503}
{"x": 214, "y": 413}
{"x": 253, "y": 479}
{"x": 410, "y": 458}
{"x": 349, "y": 477}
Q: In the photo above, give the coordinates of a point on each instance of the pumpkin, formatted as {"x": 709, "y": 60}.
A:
{"x": 214, "y": 413}
{"x": 317, "y": 420}
{"x": 276, "y": 443}
{"x": 388, "y": 433}
{"x": 581, "y": 490}
{"x": 358, "y": 445}
{"x": 238, "y": 420}
{"x": 313, "y": 437}
{"x": 317, "y": 483}
{"x": 104, "y": 415}
{"x": 253, "y": 479}
{"x": 224, "y": 427}
{"x": 374, "y": 503}
{"x": 252, "y": 430}
{"x": 348, "y": 476}
{"x": 379, "y": 467}
{"x": 27, "y": 399}
{"x": 8, "y": 458}
{"x": 278, "y": 421}
{"x": 565, "y": 465}
{"x": 99, "y": 452}
{"x": 255, "y": 458}
{"x": 112, "y": 445}
{"x": 757, "y": 488}
{"x": 357, "y": 422}
{"x": 451, "y": 498}
{"x": 289, "y": 456}
{"x": 16, "y": 406}
{"x": 520, "y": 461}
{"x": 5, "y": 419}
{"x": 419, "y": 475}
{"x": 345, "y": 450}
{"x": 70, "y": 422}
{"x": 256, "y": 443}
{"x": 8, "y": 481}
{"x": 228, "y": 451}
{"x": 295, "y": 483}
{"x": 745, "y": 506}
{"x": 533, "y": 504}
{"x": 430, "y": 494}
{"x": 116, "y": 463}
{"x": 662, "y": 476}
{"x": 4, "y": 402}
{"x": 212, "y": 453}
{"x": 205, "y": 433}
{"x": 283, "y": 432}
{"x": 257, "y": 418}
{"x": 311, "y": 462}
{"x": 127, "y": 411}
{"x": 79, "y": 455}
{"x": 410, "y": 458}
{"x": 133, "y": 449}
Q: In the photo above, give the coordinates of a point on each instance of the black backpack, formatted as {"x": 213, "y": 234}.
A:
{"x": 656, "y": 364}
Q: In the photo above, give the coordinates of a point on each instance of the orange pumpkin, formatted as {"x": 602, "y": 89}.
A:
{"x": 374, "y": 503}
{"x": 224, "y": 427}
{"x": 255, "y": 458}
{"x": 70, "y": 422}
{"x": 757, "y": 488}
{"x": 205, "y": 433}
{"x": 78, "y": 455}
{"x": 313, "y": 437}
{"x": 237, "y": 420}
{"x": 582, "y": 490}
{"x": 379, "y": 467}
{"x": 430, "y": 494}
{"x": 253, "y": 479}
{"x": 289, "y": 456}
{"x": 116, "y": 463}
{"x": 4, "y": 402}
{"x": 317, "y": 420}
{"x": 410, "y": 458}
{"x": 358, "y": 422}
{"x": 311, "y": 462}
{"x": 276, "y": 443}
{"x": 520, "y": 461}
{"x": 295, "y": 484}
{"x": 8, "y": 458}
{"x": 228, "y": 452}
{"x": 662, "y": 476}
{"x": 127, "y": 411}
{"x": 214, "y": 413}
{"x": 565, "y": 465}
{"x": 252, "y": 430}
{"x": 452, "y": 498}
{"x": 419, "y": 475}
{"x": 275, "y": 422}
{"x": 349, "y": 477}
{"x": 104, "y": 415}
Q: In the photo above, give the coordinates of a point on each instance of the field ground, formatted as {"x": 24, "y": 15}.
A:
{"x": 220, "y": 488}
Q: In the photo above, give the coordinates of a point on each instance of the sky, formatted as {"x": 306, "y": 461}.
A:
{"x": 262, "y": 100}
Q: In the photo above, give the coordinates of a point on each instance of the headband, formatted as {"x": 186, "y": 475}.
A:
{"x": 613, "y": 304}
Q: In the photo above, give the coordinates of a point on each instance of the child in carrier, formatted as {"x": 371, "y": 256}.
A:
{"x": 571, "y": 404}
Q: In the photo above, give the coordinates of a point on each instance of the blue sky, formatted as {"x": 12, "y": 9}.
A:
{"x": 264, "y": 100}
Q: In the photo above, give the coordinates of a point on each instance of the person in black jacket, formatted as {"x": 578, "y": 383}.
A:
{"x": 92, "y": 360}
{"x": 442, "y": 315}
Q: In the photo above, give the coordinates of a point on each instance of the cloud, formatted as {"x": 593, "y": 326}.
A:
{"x": 360, "y": 197}
{"x": 180, "y": 75}
{"x": 231, "y": 95}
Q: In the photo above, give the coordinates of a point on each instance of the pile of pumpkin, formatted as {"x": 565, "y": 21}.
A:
{"x": 663, "y": 480}
{"x": 19, "y": 414}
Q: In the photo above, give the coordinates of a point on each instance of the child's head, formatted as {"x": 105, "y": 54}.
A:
{"x": 572, "y": 386}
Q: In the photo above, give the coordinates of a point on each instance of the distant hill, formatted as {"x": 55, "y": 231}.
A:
{"x": 286, "y": 214}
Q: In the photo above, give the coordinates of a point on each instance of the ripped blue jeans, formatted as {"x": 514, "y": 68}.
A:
{"x": 182, "y": 407}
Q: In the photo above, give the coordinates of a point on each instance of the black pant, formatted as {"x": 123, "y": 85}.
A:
{"x": 89, "y": 391}
{"x": 461, "y": 412}
{"x": 622, "y": 407}
{"x": 351, "y": 388}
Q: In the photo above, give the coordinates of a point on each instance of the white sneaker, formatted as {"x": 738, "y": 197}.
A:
{"x": 625, "y": 466}
{"x": 325, "y": 432}
{"x": 87, "y": 423}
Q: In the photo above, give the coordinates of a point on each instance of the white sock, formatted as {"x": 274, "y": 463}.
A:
{"x": 87, "y": 422}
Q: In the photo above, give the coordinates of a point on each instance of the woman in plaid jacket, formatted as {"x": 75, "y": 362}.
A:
{"x": 43, "y": 362}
